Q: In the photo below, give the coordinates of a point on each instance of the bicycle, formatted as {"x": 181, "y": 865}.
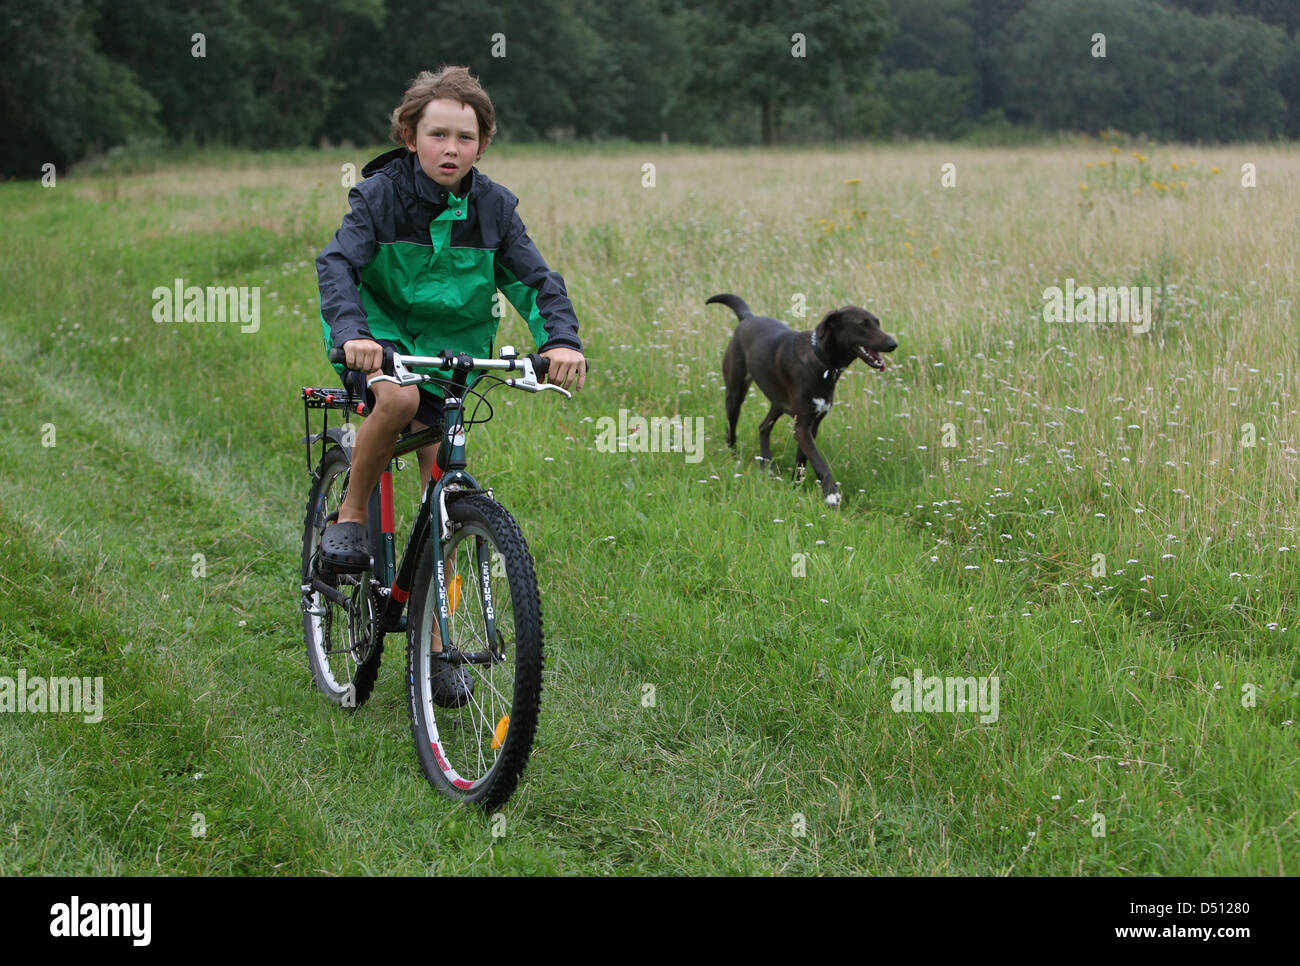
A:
{"x": 466, "y": 572}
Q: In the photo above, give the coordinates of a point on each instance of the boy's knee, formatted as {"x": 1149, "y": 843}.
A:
{"x": 396, "y": 403}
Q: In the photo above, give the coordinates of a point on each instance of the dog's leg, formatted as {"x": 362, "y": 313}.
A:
{"x": 803, "y": 435}
{"x": 799, "y": 464}
{"x": 765, "y": 434}
{"x": 736, "y": 378}
{"x": 735, "y": 399}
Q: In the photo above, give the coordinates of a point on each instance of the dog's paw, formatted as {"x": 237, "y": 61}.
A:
{"x": 832, "y": 499}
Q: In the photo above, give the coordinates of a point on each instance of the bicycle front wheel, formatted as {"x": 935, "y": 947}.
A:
{"x": 474, "y": 740}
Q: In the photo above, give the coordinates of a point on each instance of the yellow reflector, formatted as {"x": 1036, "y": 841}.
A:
{"x": 453, "y": 593}
{"x": 499, "y": 733}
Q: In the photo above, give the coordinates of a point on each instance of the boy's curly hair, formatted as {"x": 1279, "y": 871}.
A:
{"x": 452, "y": 82}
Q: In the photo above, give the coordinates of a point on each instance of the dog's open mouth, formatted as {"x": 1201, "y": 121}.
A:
{"x": 871, "y": 357}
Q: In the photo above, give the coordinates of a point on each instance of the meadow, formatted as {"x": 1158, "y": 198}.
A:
{"x": 1102, "y": 520}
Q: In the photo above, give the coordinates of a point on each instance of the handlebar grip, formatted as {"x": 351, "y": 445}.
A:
{"x": 338, "y": 356}
{"x": 542, "y": 363}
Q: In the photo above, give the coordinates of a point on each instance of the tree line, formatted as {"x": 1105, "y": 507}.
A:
{"x": 80, "y": 77}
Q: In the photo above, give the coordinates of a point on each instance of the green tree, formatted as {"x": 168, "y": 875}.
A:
{"x": 773, "y": 56}
{"x": 61, "y": 98}
{"x": 932, "y": 34}
{"x": 260, "y": 73}
{"x": 924, "y": 103}
{"x": 1166, "y": 72}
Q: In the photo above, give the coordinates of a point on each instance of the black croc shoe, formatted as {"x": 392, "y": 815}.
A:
{"x": 452, "y": 686}
{"x": 345, "y": 548}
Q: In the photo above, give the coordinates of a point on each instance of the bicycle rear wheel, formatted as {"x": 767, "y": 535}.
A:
{"x": 477, "y": 752}
{"x": 343, "y": 647}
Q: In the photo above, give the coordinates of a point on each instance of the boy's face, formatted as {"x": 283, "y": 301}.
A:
{"x": 446, "y": 141}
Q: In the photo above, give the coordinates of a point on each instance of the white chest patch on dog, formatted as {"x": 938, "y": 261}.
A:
{"x": 821, "y": 405}
{"x": 833, "y": 499}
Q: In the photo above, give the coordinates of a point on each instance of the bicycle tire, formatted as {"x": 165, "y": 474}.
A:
{"x": 343, "y": 648}
{"x": 456, "y": 745}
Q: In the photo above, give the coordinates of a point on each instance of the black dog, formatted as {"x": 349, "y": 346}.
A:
{"x": 797, "y": 371}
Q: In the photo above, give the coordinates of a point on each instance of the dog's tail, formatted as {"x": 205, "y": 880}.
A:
{"x": 733, "y": 302}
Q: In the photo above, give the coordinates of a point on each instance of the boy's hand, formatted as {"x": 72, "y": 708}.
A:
{"x": 565, "y": 364}
{"x": 363, "y": 355}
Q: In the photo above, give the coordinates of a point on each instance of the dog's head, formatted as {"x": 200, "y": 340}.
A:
{"x": 853, "y": 333}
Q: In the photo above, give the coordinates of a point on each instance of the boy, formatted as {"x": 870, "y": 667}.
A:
{"x": 416, "y": 265}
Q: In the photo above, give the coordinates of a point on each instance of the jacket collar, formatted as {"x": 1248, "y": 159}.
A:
{"x": 435, "y": 194}
{"x": 403, "y": 164}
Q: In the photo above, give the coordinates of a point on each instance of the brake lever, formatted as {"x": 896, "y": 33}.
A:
{"x": 532, "y": 385}
{"x": 401, "y": 376}
{"x": 529, "y": 381}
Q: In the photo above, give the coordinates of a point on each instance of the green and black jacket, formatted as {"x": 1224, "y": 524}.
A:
{"x": 417, "y": 265}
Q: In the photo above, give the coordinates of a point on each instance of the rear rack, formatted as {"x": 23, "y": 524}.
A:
{"x": 333, "y": 397}
{"x": 326, "y": 398}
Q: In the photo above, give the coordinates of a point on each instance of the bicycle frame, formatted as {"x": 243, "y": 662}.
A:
{"x": 397, "y": 580}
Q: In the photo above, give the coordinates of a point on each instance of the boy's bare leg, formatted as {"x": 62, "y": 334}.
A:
{"x": 426, "y": 456}
{"x": 394, "y": 408}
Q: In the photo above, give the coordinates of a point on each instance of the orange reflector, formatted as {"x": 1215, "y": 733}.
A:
{"x": 453, "y": 593}
{"x": 499, "y": 733}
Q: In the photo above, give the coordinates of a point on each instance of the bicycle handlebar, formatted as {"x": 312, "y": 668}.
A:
{"x": 446, "y": 360}
{"x": 395, "y": 368}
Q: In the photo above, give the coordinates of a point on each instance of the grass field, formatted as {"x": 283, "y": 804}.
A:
{"x": 1103, "y": 521}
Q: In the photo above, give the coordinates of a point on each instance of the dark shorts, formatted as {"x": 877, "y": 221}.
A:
{"x": 430, "y": 410}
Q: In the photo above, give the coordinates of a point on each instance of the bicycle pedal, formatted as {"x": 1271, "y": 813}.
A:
{"x": 328, "y": 569}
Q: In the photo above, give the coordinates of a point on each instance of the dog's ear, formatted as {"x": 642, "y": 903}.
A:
{"x": 831, "y": 321}
{"x": 840, "y": 323}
